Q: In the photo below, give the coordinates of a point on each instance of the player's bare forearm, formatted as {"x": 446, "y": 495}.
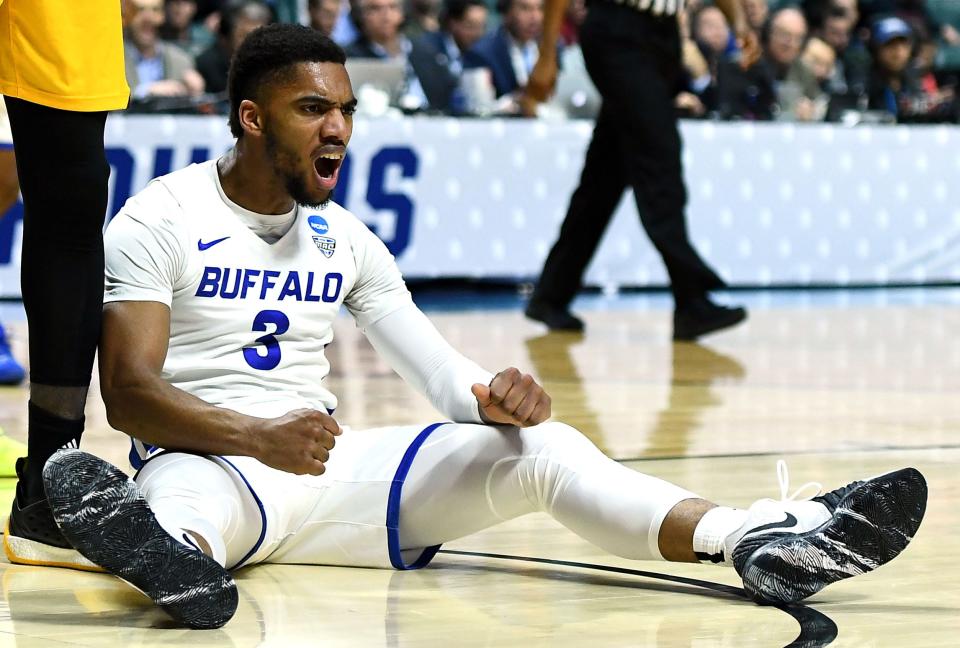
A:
{"x": 553, "y": 11}
{"x": 543, "y": 77}
{"x": 746, "y": 39}
{"x": 142, "y": 404}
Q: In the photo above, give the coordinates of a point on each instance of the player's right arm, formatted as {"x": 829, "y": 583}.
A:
{"x": 144, "y": 259}
{"x": 142, "y": 404}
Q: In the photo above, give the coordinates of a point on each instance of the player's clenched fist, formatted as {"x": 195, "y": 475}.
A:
{"x": 512, "y": 398}
{"x": 298, "y": 442}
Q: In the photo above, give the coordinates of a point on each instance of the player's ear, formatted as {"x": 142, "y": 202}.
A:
{"x": 251, "y": 118}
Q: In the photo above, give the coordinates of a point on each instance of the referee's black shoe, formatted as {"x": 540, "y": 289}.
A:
{"x": 556, "y": 318}
{"x": 104, "y": 515}
{"x": 31, "y": 537}
{"x": 701, "y": 316}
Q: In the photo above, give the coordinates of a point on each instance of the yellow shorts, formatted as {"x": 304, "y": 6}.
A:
{"x": 65, "y": 54}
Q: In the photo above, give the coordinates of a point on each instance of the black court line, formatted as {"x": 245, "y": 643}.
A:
{"x": 816, "y": 628}
{"x": 792, "y": 453}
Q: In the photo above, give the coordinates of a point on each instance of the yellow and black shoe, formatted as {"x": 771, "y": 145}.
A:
{"x": 31, "y": 537}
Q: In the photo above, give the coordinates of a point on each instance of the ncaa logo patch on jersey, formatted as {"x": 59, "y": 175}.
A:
{"x": 319, "y": 225}
{"x": 326, "y": 245}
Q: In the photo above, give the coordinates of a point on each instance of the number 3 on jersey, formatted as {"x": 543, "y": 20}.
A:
{"x": 270, "y": 343}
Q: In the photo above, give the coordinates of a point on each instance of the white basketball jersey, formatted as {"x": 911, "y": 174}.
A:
{"x": 249, "y": 319}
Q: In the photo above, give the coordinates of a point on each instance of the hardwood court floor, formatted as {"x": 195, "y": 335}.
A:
{"x": 840, "y": 389}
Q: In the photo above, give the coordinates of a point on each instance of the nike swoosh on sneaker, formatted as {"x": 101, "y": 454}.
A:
{"x": 788, "y": 522}
{"x": 205, "y": 246}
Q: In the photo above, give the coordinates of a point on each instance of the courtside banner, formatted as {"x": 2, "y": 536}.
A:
{"x": 770, "y": 204}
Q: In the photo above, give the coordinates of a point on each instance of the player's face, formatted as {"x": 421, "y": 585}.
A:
{"x": 308, "y": 123}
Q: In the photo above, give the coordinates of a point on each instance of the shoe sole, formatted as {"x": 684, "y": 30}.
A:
{"x": 103, "y": 514}
{"x": 870, "y": 527}
{"x": 23, "y": 551}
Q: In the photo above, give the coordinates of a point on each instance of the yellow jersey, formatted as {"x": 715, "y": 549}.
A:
{"x": 65, "y": 54}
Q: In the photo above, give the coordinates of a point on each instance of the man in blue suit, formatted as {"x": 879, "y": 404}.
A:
{"x": 438, "y": 57}
{"x": 511, "y": 51}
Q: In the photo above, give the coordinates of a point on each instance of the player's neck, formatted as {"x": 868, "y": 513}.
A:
{"x": 252, "y": 185}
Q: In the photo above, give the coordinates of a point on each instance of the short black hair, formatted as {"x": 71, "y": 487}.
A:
{"x": 456, "y": 9}
{"x": 266, "y": 54}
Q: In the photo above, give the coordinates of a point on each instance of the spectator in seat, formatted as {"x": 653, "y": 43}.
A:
{"x": 437, "y": 57}
{"x": 836, "y": 28}
{"x": 895, "y": 87}
{"x": 379, "y": 23}
{"x": 423, "y": 16}
{"x": 179, "y": 28}
{"x": 757, "y": 12}
{"x": 324, "y": 15}
{"x": 237, "y": 20}
{"x": 711, "y": 32}
{"x": 820, "y": 59}
{"x": 570, "y": 28}
{"x": 778, "y": 86}
{"x": 154, "y": 68}
{"x": 705, "y": 43}
{"x": 511, "y": 51}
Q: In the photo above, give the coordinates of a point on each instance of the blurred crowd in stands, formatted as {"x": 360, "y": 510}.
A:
{"x": 849, "y": 61}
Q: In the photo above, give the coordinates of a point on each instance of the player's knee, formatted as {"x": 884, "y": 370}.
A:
{"x": 555, "y": 434}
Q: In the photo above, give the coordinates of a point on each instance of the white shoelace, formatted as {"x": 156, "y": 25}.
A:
{"x": 783, "y": 476}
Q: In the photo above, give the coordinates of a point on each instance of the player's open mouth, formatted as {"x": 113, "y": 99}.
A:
{"x": 327, "y": 167}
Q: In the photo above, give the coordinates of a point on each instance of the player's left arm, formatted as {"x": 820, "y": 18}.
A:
{"x": 454, "y": 384}
{"x": 404, "y": 337}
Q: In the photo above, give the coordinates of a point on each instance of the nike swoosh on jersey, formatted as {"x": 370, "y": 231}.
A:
{"x": 789, "y": 521}
{"x": 205, "y": 246}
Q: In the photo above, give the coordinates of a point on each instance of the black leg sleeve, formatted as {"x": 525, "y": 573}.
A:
{"x": 63, "y": 178}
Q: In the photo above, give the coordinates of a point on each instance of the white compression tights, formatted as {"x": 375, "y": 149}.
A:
{"x": 468, "y": 478}
{"x": 464, "y": 478}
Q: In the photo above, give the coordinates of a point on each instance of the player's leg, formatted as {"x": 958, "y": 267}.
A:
{"x": 468, "y": 478}
{"x": 62, "y": 285}
{"x": 11, "y": 372}
{"x": 169, "y": 533}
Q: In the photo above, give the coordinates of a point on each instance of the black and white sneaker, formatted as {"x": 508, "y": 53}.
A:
{"x": 103, "y": 514}
{"x": 787, "y": 555}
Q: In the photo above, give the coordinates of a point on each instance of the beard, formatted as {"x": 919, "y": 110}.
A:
{"x": 284, "y": 162}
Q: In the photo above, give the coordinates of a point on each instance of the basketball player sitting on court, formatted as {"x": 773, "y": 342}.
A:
{"x": 223, "y": 281}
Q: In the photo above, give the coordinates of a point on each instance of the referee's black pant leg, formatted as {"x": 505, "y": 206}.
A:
{"x": 63, "y": 178}
{"x": 602, "y": 183}
{"x": 635, "y": 74}
{"x": 660, "y": 194}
